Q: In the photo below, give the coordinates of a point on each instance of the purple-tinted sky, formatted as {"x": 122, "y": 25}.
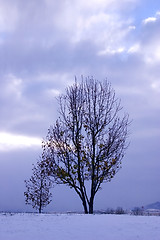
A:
{"x": 43, "y": 45}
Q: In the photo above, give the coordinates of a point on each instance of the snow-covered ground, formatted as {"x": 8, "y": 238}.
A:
{"x": 78, "y": 226}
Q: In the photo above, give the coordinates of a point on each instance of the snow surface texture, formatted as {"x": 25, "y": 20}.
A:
{"x": 78, "y": 227}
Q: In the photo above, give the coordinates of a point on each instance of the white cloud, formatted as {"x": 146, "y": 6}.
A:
{"x": 156, "y": 86}
{"x": 52, "y": 93}
{"x": 132, "y": 27}
{"x": 9, "y": 141}
{"x": 151, "y": 53}
{"x": 134, "y": 48}
{"x": 150, "y": 19}
{"x": 8, "y": 16}
{"x": 14, "y": 86}
{"x": 100, "y": 22}
{"x": 158, "y": 14}
{"x": 146, "y": 43}
{"x": 110, "y": 51}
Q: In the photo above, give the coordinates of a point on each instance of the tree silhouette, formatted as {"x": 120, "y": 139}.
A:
{"x": 38, "y": 187}
{"x": 88, "y": 140}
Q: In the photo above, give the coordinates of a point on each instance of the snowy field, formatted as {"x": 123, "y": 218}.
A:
{"x": 78, "y": 226}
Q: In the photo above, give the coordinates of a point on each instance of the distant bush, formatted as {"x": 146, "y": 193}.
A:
{"x": 137, "y": 211}
{"x": 119, "y": 210}
{"x": 110, "y": 211}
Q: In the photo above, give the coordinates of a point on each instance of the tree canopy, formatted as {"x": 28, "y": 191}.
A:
{"x": 38, "y": 187}
{"x": 88, "y": 141}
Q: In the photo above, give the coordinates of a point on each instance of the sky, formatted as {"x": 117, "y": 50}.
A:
{"x": 43, "y": 45}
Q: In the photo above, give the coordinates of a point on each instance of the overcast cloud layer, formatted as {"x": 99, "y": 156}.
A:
{"x": 43, "y": 45}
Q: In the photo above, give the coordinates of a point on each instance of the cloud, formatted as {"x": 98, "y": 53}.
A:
{"x": 150, "y": 19}
{"x": 156, "y": 86}
{"x": 8, "y": 17}
{"x": 42, "y": 55}
{"x": 12, "y": 86}
{"x": 9, "y": 141}
{"x": 149, "y": 38}
{"x": 135, "y": 48}
{"x": 43, "y": 46}
{"x": 95, "y": 21}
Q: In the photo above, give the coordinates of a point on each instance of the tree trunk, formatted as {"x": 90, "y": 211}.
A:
{"x": 40, "y": 203}
{"x": 91, "y": 205}
{"x": 85, "y": 206}
{"x": 40, "y": 209}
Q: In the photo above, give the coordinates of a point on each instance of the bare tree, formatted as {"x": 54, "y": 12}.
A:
{"x": 38, "y": 187}
{"x": 88, "y": 140}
